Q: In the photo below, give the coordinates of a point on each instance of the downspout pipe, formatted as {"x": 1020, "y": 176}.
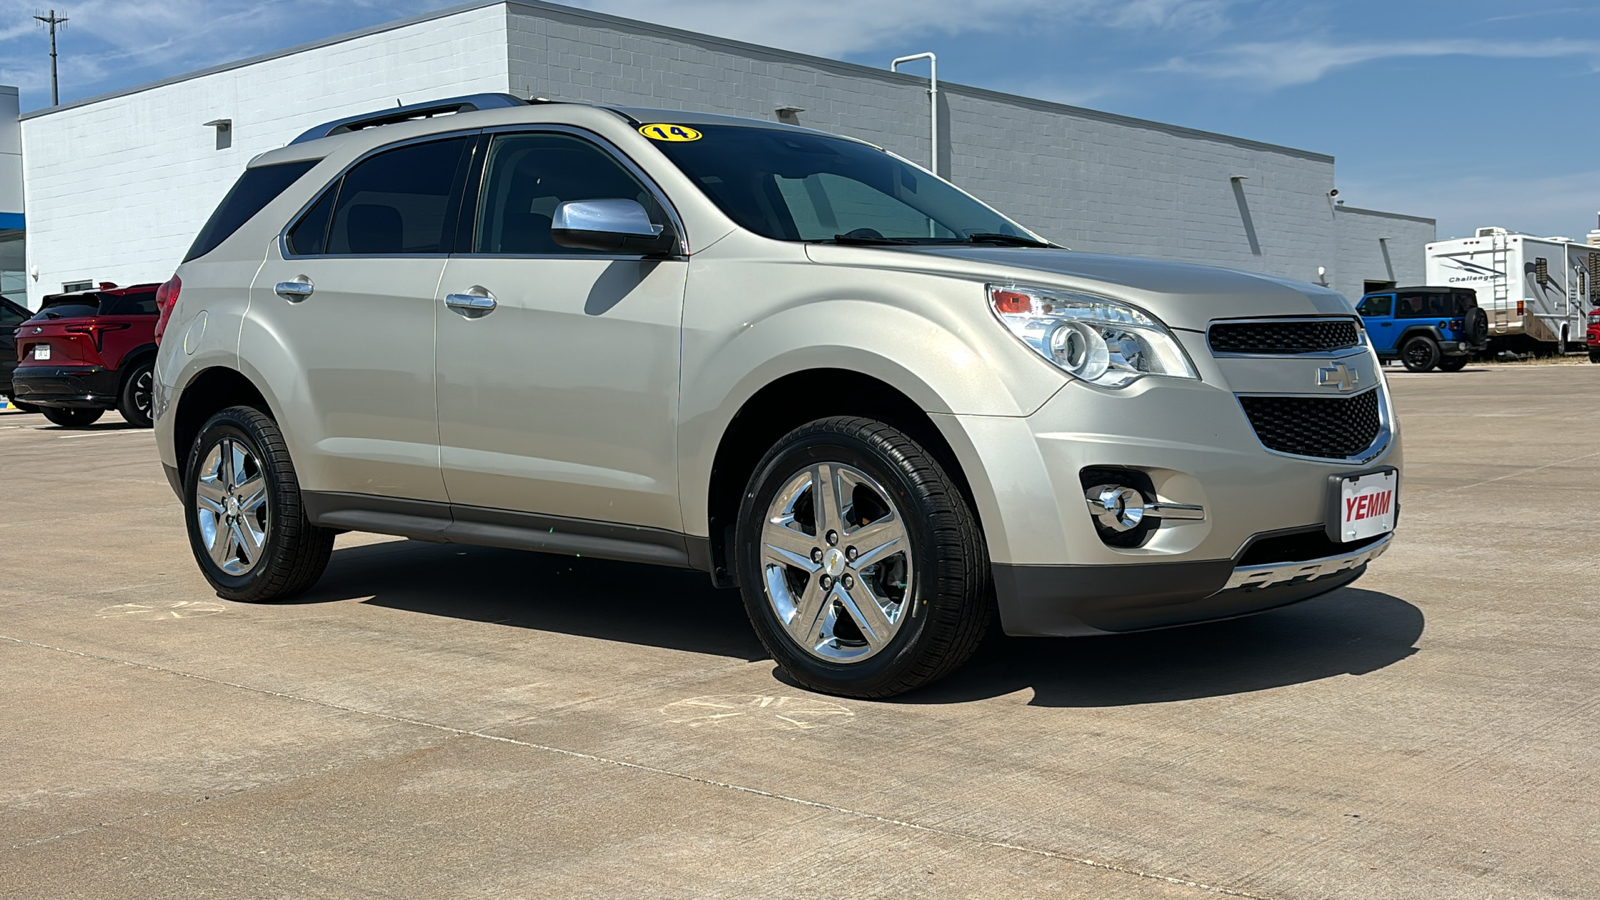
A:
{"x": 933, "y": 102}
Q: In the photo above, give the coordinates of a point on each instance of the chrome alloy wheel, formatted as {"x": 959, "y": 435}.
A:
{"x": 230, "y": 500}
{"x": 836, "y": 563}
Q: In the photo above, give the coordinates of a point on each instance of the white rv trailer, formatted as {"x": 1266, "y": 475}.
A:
{"x": 1539, "y": 287}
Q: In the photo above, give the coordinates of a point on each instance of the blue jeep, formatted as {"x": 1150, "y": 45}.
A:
{"x": 1425, "y": 327}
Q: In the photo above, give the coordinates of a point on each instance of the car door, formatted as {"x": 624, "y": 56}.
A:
{"x": 558, "y": 394}
{"x": 350, "y": 293}
{"x": 1377, "y": 313}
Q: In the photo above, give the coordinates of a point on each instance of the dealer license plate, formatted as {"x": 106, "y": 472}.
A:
{"x": 41, "y": 351}
{"x": 1366, "y": 505}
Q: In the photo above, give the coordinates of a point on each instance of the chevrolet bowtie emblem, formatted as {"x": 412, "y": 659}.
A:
{"x": 1340, "y": 376}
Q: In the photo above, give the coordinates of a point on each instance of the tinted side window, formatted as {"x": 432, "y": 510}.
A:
{"x": 140, "y": 304}
{"x": 528, "y": 175}
{"x": 255, "y": 189}
{"x": 1442, "y": 305}
{"x": 1412, "y": 306}
{"x": 399, "y": 201}
{"x": 309, "y": 236}
{"x": 11, "y": 316}
{"x": 1378, "y": 305}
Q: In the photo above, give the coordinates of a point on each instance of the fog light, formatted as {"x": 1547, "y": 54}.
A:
{"x": 1119, "y": 509}
{"x": 1116, "y": 507}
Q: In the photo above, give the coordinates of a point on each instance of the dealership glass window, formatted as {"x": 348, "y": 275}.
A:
{"x": 1377, "y": 306}
{"x": 528, "y": 175}
{"x": 399, "y": 201}
{"x": 13, "y": 281}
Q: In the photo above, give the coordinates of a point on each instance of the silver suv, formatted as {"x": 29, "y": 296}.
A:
{"x": 792, "y": 360}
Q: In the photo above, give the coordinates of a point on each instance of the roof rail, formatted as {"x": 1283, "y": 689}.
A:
{"x": 469, "y": 103}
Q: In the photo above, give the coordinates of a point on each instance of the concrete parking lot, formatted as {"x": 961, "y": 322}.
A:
{"x": 439, "y": 721}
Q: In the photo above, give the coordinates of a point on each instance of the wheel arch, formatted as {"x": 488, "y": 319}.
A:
{"x": 786, "y": 403}
{"x": 209, "y": 391}
{"x": 131, "y": 360}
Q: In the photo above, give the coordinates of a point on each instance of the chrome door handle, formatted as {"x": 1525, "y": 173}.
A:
{"x": 295, "y": 291}
{"x": 472, "y": 303}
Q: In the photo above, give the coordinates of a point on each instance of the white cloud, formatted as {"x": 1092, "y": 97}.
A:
{"x": 1283, "y": 63}
{"x": 844, "y": 27}
{"x": 1555, "y": 204}
{"x": 127, "y": 41}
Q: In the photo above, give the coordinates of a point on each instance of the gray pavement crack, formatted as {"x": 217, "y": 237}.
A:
{"x": 656, "y": 770}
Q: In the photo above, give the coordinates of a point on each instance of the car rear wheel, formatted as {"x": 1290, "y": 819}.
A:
{"x": 1594, "y": 356}
{"x": 1453, "y": 363}
{"x": 134, "y": 404}
{"x": 862, "y": 566}
{"x": 1419, "y": 354}
{"x": 72, "y": 418}
{"x": 247, "y": 524}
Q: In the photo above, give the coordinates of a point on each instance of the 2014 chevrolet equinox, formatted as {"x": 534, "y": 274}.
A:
{"x": 789, "y": 359}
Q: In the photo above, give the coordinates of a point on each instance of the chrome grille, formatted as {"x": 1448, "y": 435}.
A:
{"x": 1282, "y": 337}
{"x": 1323, "y": 427}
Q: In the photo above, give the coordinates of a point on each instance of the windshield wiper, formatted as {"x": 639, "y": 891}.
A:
{"x": 1010, "y": 240}
{"x": 862, "y": 239}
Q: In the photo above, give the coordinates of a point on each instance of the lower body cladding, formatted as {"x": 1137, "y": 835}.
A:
{"x": 1248, "y": 530}
{"x": 67, "y": 387}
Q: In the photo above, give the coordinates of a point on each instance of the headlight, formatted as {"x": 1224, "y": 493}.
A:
{"x": 1104, "y": 342}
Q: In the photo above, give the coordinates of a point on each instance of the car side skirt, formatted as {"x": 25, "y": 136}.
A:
{"x": 457, "y": 524}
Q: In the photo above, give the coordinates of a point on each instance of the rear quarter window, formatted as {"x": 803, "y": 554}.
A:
{"x": 140, "y": 304}
{"x": 250, "y": 194}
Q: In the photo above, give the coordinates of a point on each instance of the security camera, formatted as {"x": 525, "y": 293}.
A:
{"x": 1333, "y": 193}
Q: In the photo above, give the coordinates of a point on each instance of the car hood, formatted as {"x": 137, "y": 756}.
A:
{"x": 1182, "y": 295}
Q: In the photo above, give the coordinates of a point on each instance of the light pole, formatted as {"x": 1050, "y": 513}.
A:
{"x": 53, "y": 20}
{"x": 933, "y": 103}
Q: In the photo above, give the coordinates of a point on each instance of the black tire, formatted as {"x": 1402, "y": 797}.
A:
{"x": 1453, "y": 363}
{"x": 72, "y": 418}
{"x": 946, "y": 608}
{"x": 134, "y": 401}
{"x": 1419, "y": 353}
{"x": 1594, "y": 356}
{"x": 293, "y": 553}
{"x": 1476, "y": 326}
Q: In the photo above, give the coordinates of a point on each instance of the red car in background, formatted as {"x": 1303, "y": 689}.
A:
{"x": 1594, "y": 335}
{"x": 84, "y": 353}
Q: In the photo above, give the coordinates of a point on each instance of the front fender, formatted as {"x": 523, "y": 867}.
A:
{"x": 932, "y": 338}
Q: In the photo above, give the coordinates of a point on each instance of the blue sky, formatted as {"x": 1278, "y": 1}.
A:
{"x": 1475, "y": 112}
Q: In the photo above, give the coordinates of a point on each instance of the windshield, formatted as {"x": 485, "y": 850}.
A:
{"x": 796, "y": 186}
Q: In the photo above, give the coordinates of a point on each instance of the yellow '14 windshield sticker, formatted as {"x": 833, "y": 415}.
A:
{"x": 669, "y": 132}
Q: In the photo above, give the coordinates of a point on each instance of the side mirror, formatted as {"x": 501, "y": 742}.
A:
{"x": 616, "y": 226}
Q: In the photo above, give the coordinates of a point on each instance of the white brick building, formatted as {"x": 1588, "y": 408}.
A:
{"x": 116, "y": 186}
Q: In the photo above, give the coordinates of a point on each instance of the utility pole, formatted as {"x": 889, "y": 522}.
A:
{"x": 52, "y": 20}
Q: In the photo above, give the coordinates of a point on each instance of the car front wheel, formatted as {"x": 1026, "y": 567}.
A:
{"x": 1419, "y": 354}
{"x": 247, "y": 524}
{"x": 862, "y": 566}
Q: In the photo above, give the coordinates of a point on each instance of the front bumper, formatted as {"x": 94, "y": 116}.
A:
{"x": 68, "y": 387}
{"x": 1079, "y": 600}
{"x": 1055, "y": 575}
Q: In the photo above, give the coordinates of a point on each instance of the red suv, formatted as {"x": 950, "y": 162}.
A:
{"x": 85, "y": 353}
{"x": 1594, "y": 335}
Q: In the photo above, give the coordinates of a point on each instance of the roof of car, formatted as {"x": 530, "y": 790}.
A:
{"x": 1420, "y": 289}
{"x": 442, "y": 114}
